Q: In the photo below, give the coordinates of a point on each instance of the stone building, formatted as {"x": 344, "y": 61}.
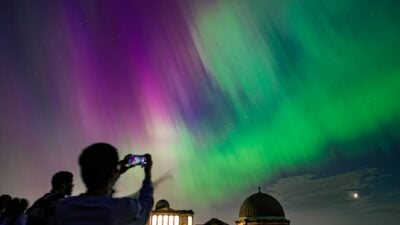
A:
{"x": 163, "y": 214}
{"x": 261, "y": 209}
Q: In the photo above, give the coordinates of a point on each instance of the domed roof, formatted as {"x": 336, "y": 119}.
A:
{"x": 261, "y": 205}
{"x": 162, "y": 204}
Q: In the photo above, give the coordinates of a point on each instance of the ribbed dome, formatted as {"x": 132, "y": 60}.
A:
{"x": 261, "y": 205}
{"x": 162, "y": 204}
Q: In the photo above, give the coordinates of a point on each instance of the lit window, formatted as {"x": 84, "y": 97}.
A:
{"x": 154, "y": 220}
{"x": 171, "y": 220}
{"x": 165, "y": 220}
{"x": 176, "y": 220}
{"x": 190, "y": 220}
{"x": 159, "y": 220}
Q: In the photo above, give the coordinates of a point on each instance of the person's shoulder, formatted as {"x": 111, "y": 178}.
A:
{"x": 124, "y": 199}
{"x": 68, "y": 200}
{"x": 88, "y": 200}
{"x": 49, "y": 199}
{"x": 42, "y": 199}
{"x": 126, "y": 202}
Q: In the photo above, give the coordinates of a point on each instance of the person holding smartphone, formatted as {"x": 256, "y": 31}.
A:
{"x": 100, "y": 169}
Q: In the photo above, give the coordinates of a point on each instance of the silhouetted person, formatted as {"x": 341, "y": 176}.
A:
{"x": 42, "y": 211}
{"x": 14, "y": 213}
{"x": 100, "y": 169}
{"x": 23, "y": 205}
{"x": 4, "y": 201}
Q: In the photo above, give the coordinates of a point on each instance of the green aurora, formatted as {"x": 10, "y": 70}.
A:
{"x": 299, "y": 76}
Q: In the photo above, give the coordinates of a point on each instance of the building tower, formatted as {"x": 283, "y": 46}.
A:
{"x": 261, "y": 209}
{"x": 164, "y": 215}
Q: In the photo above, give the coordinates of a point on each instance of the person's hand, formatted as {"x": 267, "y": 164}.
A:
{"x": 124, "y": 164}
{"x": 148, "y": 166}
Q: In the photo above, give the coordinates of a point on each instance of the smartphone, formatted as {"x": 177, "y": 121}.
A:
{"x": 137, "y": 160}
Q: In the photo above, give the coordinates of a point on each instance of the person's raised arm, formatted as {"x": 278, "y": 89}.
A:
{"x": 140, "y": 207}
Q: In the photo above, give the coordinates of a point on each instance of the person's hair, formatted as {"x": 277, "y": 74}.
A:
{"x": 5, "y": 199}
{"x": 98, "y": 162}
{"x": 60, "y": 178}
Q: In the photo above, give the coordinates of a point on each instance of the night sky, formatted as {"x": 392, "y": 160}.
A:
{"x": 298, "y": 97}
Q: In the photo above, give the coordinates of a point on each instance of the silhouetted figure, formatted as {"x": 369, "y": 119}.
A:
{"x": 4, "y": 201}
{"x": 42, "y": 211}
{"x": 23, "y": 205}
{"x": 100, "y": 169}
{"x": 14, "y": 213}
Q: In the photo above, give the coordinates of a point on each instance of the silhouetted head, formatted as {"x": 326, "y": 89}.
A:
{"x": 98, "y": 164}
{"x": 23, "y": 205}
{"x": 4, "y": 201}
{"x": 62, "y": 181}
{"x": 12, "y": 208}
{"x": 16, "y": 207}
